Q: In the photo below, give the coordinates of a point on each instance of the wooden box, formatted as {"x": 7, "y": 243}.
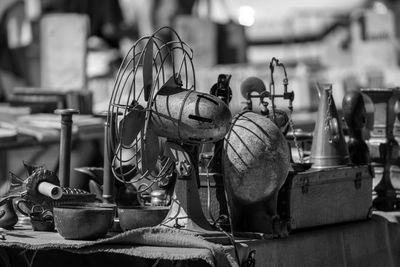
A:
{"x": 326, "y": 196}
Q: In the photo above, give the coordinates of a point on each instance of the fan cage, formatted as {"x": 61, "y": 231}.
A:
{"x": 169, "y": 59}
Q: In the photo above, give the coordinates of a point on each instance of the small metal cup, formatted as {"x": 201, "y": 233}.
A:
{"x": 42, "y": 221}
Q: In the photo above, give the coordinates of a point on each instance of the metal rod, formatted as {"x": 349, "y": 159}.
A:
{"x": 65, "y": 144}
{"x": 108, "y": 181}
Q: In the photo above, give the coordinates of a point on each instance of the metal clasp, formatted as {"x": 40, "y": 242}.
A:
{"x": 251, "y": 259}
{"x": 357, "y": 181}
{"x": 305, "y": 185}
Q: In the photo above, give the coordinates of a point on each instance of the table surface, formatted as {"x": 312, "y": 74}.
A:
{"x": 44, "y": 129}
{"x": 374, "y": 242}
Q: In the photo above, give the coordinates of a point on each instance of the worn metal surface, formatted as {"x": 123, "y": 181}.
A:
{"x": 65, "y": 144}
{"x": 329, "y": 148}
{"x": 256, "y": 158}
{"x": 189, "y": 116}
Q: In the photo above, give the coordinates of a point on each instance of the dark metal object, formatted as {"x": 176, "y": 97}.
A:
{"x": 222, "y": 89}
{"x": 148, "y": 69}
{"x": 355, "y": 116}
{"x": 65, "y": 144}
{"x": 42, "y": 221}
{"x": 281, "y": 118}
{"x": 382, "y": 144}
{"x": 45, "y": 224}
{"x": 254, "y": 84}
{"x": 108, "y": 181}
{"x": 36, "y": 196}
{"x": 286, "y": 95}
{"x": 33, "y": 181}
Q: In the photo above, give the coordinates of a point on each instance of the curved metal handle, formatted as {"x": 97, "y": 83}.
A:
{"x": 333, "y": 131}
{"x": 20, "y": 209}
{"x": 26, "y": 210}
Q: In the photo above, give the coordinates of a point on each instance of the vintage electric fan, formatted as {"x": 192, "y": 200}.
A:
{"x": 156, "y": 120}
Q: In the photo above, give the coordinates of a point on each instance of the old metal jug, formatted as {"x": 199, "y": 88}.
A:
{"x": 329, "y": 147}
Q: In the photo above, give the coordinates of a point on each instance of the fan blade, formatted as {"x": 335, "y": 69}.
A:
{"x": 131, "y": 125}
{"x": 96, "y": 173}
{"x": 150, "y": 151}
{"x": 148, "y": 69}
{"x": 173, "y": 84}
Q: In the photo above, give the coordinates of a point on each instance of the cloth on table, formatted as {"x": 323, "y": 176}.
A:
{"x": 151, "y": 243}
{"x": 374, "y": 242}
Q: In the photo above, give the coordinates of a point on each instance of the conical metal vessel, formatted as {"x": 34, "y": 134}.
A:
{"x": 329, "y": 148}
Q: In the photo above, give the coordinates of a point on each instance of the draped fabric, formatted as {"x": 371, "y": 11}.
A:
{"x": 375, "y": 242}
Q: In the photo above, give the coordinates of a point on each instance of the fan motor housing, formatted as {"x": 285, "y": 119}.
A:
{"x": 189, "y": 116}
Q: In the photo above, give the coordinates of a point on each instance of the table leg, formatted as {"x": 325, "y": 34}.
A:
{"x": 4, "y": 259}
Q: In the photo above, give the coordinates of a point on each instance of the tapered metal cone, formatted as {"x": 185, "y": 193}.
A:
{"x": 329, "y": 148}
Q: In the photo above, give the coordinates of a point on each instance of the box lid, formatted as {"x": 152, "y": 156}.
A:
{"x": 332, "y": 175}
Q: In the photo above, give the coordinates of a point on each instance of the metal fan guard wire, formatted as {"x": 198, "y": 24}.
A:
{"x": 126, "y": 95}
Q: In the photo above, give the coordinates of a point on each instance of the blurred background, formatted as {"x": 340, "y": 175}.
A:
{"x": 349, "y": 43}
{"x": 75, "y": 47}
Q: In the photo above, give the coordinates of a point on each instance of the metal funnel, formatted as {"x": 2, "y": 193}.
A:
{"x": 329, "y": 148}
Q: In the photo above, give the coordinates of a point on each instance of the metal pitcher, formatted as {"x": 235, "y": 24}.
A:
{"x": 329, "y": 147}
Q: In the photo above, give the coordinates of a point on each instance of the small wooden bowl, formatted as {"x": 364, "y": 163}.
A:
{"x": 133, "y": 217}
{"x": 87, "y": 222}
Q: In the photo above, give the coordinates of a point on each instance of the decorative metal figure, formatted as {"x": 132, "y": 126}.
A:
{"x": 355, "y": 116}
{"x": 383, "y": 147}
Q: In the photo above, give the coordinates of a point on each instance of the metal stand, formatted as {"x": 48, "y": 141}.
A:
{"x": 384, "y": 149}
{"x": 65, "y": 144}
{"x": 108, "y": 181}
{"x": 185, "y": 211}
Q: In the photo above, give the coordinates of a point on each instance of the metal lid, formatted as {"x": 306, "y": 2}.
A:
{"x": 158, "y": 193}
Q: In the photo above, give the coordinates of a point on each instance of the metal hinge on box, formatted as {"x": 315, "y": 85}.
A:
{"x": 358, "y": 180}
{"x": 305, "y": 184}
